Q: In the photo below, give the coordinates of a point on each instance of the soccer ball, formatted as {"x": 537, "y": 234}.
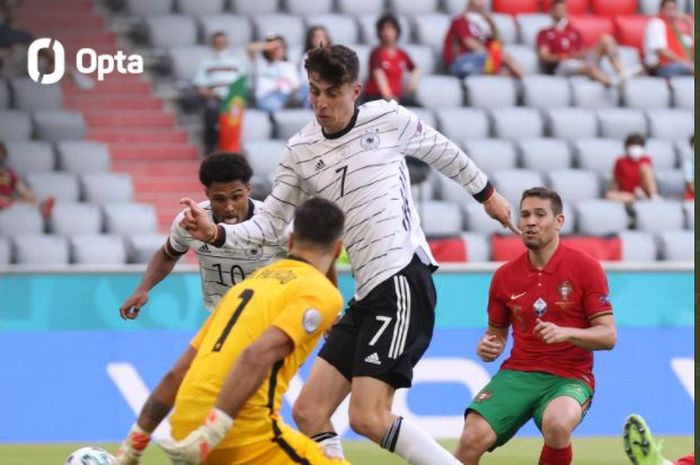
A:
{"x": 90, "y": 456}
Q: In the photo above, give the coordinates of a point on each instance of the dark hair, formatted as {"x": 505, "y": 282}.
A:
{"x": 635, "y": 139}
{"x": 216, "y": 35}
{"x": 547, "y": 194}
{"x": 318, "y": 221}
{"x": 664, "y": 2}
{"x": 224, "y": 167}
{"x": 3, "y": 149}
{"x": 310, "y": 35}
{"x": 272, "y": 38}
{"x": 388, "y": 18}
{"x": 336, "y": 64}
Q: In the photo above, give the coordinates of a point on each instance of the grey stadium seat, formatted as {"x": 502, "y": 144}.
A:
{"x": 651, "y": 7}
{"x": 141, "y": 247}
{"x": 289, "y": 122}
{"x": 289, "y": 26}
{"x": 68, "y": 219}
{"x": 620, "y": 122}
{"x": 368, "y": 28}
{"x": 63, "y": 186}
{"x": 491, "y": 155}
{"x": 431, "y": 29}
{"x": 30, "y": 156}
{"x": 507, "y": 29}
{"x": 657, "y": 216}
{"x": 256, "y": 125}
{"x": 423, "y": 57}
{"x": 362, "y": 52}
{"x": 670, "y": 124}
{"x": 107, "y": 188}
{"x": 342, "y": 28}
{"x": 629, "y": 57}
{"x": 5, "y": 251}
{"x": 478, "y": 221}
{"x": 200, "y": 7}
{"x": 677, "y": 245}
{"x": 32, "y": 96}
{"x": 15, "y": 125}
{"x": 20, "y": 220}
{"x": 98, "y": 249}
{"x": 512, "y": 183}
{"x": 571, "y": 123}
{"x": 598, "y": 155}
{"x": 439, "y": 91}
{"x": 591, "y": 94}
{"x": 160, "y": 30}
{"x": 359, "y": 7}
{"x": 130, "y": 218}
{"x": 545, "y": 154}
{"x": 258, "y": 7}
{"x": 662, "y": 153}
{"x": 4, "y": 94}
{"x": 57, "y": 125}
{"x": 671, "y": 182}
{"x": 461, "y": 124}
{"x": 426, "y": 115}
{"x": 646, "y": 92}
{"x": 574, "y": 185}
{"x": 569, "y": 219}
{"x": 238, "y": 28}
{"x": 264, "y": 156}
{"x": 83, "y": 156}
{"x": 304, "y": 7}
{"x": 41, "y": 249}
{"x": 689, "y": 210}
{"x": 546, "y": 91}
{"x": 450, "y": 191}
{"x": 478, "y": 247}
{"x": 141, "y": 8}
{"x": 517, "y": 123}
{"x": 530, "y": 24}
{"x": 413, "y": 7}
{"x": 455, "y": 7}
{"x": 683, "y": 92}
{"x": 638, "y": 246}
{"x": 601, "y": 217}
{"x": 440, "y": 218}
{"x": 185, "y": 60}
{"x": 525, "y": 56}
{"x": 490, "y": 91}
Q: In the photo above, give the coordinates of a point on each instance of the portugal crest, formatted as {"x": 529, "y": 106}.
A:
{"x": 565, "y": 290}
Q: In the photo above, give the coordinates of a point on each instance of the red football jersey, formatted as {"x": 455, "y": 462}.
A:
{"x": 628, "y": 172}
{"x": 460, "y": 29}
{"x": 8, "y": 182}
{"x": 563, "y": 42}
{"x": 393, "y": 64}
{"x": 570, "y": 291}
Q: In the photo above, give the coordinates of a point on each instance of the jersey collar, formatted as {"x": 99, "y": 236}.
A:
{"x": 251, "y": 210}
{"x": 552, "y": 264}
{"x": 343, "y": 131}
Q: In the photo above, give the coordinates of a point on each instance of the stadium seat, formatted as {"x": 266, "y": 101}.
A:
{"x": 638, "y": 246}
{"x": 671, "y": 182}
{"x": 683, "y": 149}
{"x": 5, "y": 251}
{"x": 413, "y": 7}
{"x": 304, "y": 7}
{"x": 68, "y": 219}
{"x": 427, "y": 116}
{"x": 130, "y": 218}
{"x": 238, "y": 28}
{"x": 618, "y": 7}
{"x": 546, "y": 91}
{"x": 662, "y": 153}
{"x": 32, "y": 96}
{"x": 683, "y": 92}
{"x": 440, "y": 218}
{"x": 15, "y": 124}
{"x": 478, "y": 221}
{"x": 517, "y": 123}
{"x": 525, "y": 56}
{"x": 689, "y": 211}
{"x": 450, "y": 191}
{"x": 512, "y": 183}
{"x": 543, "y": 154}
{"x": 478, "y": 247}
{"x": 630, "y": 59}
{"x": 160, "y": 30}
{"x": 20, "y": 219}
{"x": 651, "y": 7}
{"x": 57, "y": 125}
{"x": 507, "y": 29}
{"x": 571, "y": 123}
{"x": 25, "y": 156}
{"x": 490, "y": 91}
{"x": 491, "y": 155}
{"x": 598, "y": 217}
{"x": 98, "y": 249}
{"x": 513, "y": 7}
{"x": 646, "y": 92}
{"x": 256, "y": 125}
{"x": 658, "y": 216}
{"x": 529, "y": 25}
{"x": 598, "y": 155}
{"x": 4, "y": 95}
{"x": 363, "y": 52}
{"x": 185, "y": 60}
{"x": 592, "y": 28}
{"x": 201, "y": 7}
{"x": 677, "y": 245}
{"x": 574, "y": 185}
{"x": 439, "y": 91}
{"x": 360, "y": 7}
{"x": 431, "y": 29}
{"x": 342, "y": 28}
{"x": 569, "y": 226}
{"x": 41, "y": 249}
{"x": 63, "y": 186}
{"x": 460, "y": 124}
{"x": 455, "y": 7}
{"x": 629, "y": 30}
{"x": 107, "y": 188}
{"x": 141, "y": 247}
{"x": 618, "y": 123}
{"x": 591, "y": 94}
{"x": 141, "y": 8}
{"x": 289, "y": 122}
{"x": 368, "y": 28}
{"x": 264, "y": 156}
{"x": 670, "y": 124}
{"x": 258, "y": 7}
{"x": 574, "y": 7}
{"x": 289, "y": 26}
{"x": 83, "y": 156}
{"x": 423, "y": 57}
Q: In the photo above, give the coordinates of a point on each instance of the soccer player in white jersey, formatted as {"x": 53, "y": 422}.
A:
{"x": 355, "y": 156}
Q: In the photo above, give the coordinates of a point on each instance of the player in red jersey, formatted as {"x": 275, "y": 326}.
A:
{"x": 557, "y": 301}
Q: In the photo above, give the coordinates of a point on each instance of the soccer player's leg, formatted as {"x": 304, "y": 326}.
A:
{"x": 640, "y": 445}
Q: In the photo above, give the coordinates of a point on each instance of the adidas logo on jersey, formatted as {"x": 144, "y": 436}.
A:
{"x": 320, "y": 165}
{"x": 373, "y": 358}
{"x": 204, "y": 249}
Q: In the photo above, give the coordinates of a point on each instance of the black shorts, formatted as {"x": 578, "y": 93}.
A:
{"x": 385, "y": 334}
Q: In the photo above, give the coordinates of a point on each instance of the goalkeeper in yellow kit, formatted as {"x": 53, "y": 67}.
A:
{"x": 226, "y": 409}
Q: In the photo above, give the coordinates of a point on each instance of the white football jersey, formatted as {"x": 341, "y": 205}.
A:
{"x": 363, "y": 170}
{"x": 221, "y": 268}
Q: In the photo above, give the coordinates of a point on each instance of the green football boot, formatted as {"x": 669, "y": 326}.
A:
{"x": 640, "y": 445}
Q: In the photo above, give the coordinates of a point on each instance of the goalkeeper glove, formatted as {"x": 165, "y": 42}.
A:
{"x": 130, "y": 451}
{"x": 200, "y": 442}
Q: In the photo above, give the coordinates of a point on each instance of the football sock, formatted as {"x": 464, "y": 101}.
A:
{"x": 330, "y": 442}
{"x": 415, "y": 445}
{"x": 552, "y": 456}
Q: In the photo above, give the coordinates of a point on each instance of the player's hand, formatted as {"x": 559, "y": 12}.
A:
{"x": 131, "y": 308}
{"x": 197, "y": 222}
{"x": 550, "y": 333}
{"x": 490, "y": 348}
{"x": 199, "y": 443}
{"x": 499, "y": 209}
{"x": 129, "y": 453}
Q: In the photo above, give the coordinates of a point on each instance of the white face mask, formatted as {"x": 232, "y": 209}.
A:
{"x": 635, "y": 151}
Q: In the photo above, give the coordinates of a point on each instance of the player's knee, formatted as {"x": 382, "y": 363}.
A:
{"x": 304, "y": 413}
{"x": 557, "y": 430}
{"x": 477, "y": 437}
{"x": 367, "y": 423}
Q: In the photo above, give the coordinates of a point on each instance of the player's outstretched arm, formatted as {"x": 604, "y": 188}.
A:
{"x": 160, "y": 266}
{"x": 499, "y": 209}
{"x": 601, "y": 335}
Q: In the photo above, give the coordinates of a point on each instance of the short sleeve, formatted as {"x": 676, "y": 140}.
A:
{"x": 645, "y": 160}
{"x": 196, "y": 341}
{"x": 542, "y": 38}
{"x": 498, "y": 313}
{"x": 375, "y": 59}
{"x": 617, "y": 169}
{"x": 577, "y": 43}
{"x": 596, "y": 294}
{"x": 410, "y": 65}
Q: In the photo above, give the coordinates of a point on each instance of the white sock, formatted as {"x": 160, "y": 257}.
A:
{"x": 667, "y": 462}
{"x": 330, "y": 442}
{"x": 415, "y": 445}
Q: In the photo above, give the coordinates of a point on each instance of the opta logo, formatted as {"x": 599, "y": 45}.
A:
{"x": 87, "y": 61}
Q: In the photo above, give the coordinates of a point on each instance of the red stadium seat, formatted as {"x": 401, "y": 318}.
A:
{"x": 515, "y": 6}
{"x": 613, "y": 8}
{"x": 452, "y": 249}
{"x": 592, "y": 27}
{"x": 575, "y": 7}
{"x": 504, "y": 248}
{"x": 602, "y": 248}
{"x": 629, "y": 30}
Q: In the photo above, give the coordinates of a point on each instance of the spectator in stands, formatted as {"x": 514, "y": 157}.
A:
{"x": 215, "y": 73}
{"x": 669, "y": 42}
{"x": 387, "y": 63}
{"x": 472, "y": 45}
{"x": 689, "y": 170}
{"x": 13, "y": 189}
{"x": 560, "y": 50}
{"x": 13, "y": 41}
{"x": 276, "y": 78}
{"x": 633, "y": 174}
{"x": 316, "y": 36}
